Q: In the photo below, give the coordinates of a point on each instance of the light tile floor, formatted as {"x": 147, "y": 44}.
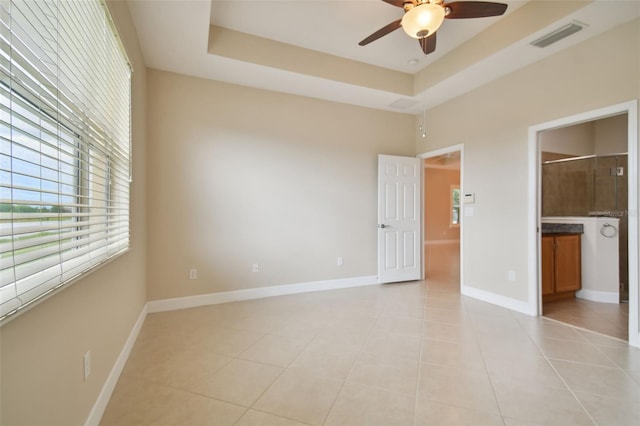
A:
{"x": 401, "y": 354}
{"x": 611, "y": 319}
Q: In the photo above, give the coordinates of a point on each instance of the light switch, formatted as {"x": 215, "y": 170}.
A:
{"x": 469, "y": 198}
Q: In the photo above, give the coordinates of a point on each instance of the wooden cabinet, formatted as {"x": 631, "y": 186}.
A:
{"x": 561, "y": 266}
{"x": 548, "y": 268}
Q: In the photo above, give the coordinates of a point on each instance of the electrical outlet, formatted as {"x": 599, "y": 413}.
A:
{"x": 255, "y": 268}
{"x": 193, "y": 274}
{"x": 511, "y": 276}
{"x": 86, "y": 359}
{"x": 339, "y": 261}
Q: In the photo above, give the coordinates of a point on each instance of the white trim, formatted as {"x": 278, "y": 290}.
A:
{"x": 631, "y": 109}
{"x": 598, "y": 296}
{"x": 534, "y": 295}
{"x": 434, "y": 153}
{"x": 497, "y": 299}
{"x": 257, "y": 293}
{"x": 442, "y": 151}
{"x": 633, "y": 226}
{"x": 110, "y": 384}
{"x": 440, "y": 166}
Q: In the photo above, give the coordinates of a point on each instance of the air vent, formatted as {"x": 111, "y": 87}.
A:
{"x": 403, "y": 103}
{"x": 558, "y": 34}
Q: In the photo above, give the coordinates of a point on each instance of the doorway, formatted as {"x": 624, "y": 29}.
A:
{"x": 584, "y": 178}
{"x": 442, "y": 217}
{"x": 619, "y": 214}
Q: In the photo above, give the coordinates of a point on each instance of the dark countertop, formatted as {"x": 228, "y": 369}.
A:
{"x": 562, "y": 228}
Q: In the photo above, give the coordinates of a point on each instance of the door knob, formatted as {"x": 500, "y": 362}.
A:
{"x": 383, "y": 226}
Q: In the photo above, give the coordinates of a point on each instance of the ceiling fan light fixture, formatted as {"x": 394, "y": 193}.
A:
{"x": 423, "y": 20}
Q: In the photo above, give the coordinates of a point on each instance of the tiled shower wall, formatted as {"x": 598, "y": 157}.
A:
{"x": 594, "y": 186}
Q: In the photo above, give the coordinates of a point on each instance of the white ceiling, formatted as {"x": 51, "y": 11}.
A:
{"x": 174, "y": 36}
{"x": 336, "y": 27}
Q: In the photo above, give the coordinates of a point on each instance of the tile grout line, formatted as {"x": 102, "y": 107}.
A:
{"x": 284, "y": 369}
{"x": 484, "y": 362}
{"x": 618, "y": 366}
{"x": 422, "y": 339}
{"x": 548, "y": 360}
{"x": 379, "y": 316}
{"x": 367, "y": 333}
{"x": 344, "y": 382}
{"x": 592, "y": 309}
{"x": 584, "y": 329}
{"x": 233, "y": 358}
{"x": 275, "y": 415}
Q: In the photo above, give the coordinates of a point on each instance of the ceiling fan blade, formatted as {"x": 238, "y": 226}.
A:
{"x": 474, "y": 9}
{"x": 398, "y": 3}
{"x": 381, "y": 32}
{"x": 428, "y": 44}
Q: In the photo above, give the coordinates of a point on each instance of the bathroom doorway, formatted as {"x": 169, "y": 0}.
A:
{"x": 584, "y": 182}
{"x": 590, "y": 190}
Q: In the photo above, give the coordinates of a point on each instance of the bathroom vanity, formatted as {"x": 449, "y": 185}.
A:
{"x": 579, "y": 255}
{"x": 561, "y": 265}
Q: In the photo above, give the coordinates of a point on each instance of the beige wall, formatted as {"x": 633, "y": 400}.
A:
{"x": 610, "y": 135}
{"x": 575, "y": 140}
{"x": 492, "y": 122}
{"x": 599, "y": 137}
{"x": 241, "y": 176}
{"x": 42, "y": 349}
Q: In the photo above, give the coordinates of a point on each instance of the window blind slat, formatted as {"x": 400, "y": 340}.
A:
{"x": 64, "y": 145}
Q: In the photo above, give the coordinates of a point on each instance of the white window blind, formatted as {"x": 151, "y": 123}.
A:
{"x": 65, "y": 100}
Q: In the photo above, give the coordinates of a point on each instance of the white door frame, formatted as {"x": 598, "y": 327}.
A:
{"x": 631, "y": 109}
{"x": 435, "y": 153}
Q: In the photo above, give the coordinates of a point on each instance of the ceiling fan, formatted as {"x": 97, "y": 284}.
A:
{"x": 422, "y": 18}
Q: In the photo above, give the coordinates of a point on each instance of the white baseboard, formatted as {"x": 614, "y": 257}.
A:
{"x": 497, "y": 299}
{"x": 598, "y": 296}
{"x": 207, "y": 299}
{"x": 257, "y": 293}
{"x": 110, "y": 384}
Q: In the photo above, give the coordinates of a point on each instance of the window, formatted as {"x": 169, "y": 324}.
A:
{"x": 64, "y": 146}
{"x": 455, "y": 206}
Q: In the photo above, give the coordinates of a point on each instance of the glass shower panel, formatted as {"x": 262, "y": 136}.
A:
{"x": 604, "y": 189}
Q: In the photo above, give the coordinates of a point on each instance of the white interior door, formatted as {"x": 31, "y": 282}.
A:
{"x": 399, "y": 197}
